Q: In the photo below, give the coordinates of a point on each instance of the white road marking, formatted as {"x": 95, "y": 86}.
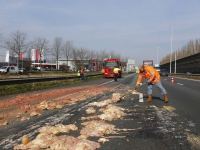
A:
{"x": 106, "y": 82}
{"x": 180, "y": 84}
{"x": 113, "y": 80}
{"x": 141, "y": 97}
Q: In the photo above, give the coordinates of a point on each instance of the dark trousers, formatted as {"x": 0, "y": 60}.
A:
{"x": 116, "y": 75}
{"x": 83, "y": 77}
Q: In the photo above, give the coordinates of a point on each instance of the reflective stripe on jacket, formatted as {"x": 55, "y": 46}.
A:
{"x": 116, "y": 70}
{"x": 150, "y": 74}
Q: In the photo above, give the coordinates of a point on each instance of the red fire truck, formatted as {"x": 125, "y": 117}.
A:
{"x": 109, "y": 65}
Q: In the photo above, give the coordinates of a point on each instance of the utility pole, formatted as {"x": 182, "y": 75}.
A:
{"x": 171, "y": 50}
{"x": 175, "y": 64}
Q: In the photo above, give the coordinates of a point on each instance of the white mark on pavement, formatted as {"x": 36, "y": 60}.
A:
{"x": 141, "y": 97}
{"x": 107, "y": 82}
{"x": 180, "y": 84}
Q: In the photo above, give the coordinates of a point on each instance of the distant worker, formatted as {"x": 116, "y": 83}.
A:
{"x": 102, "y": 72}
{"x": 153, "y": 78}
{"x": 116, "y": 72}
{"x": 82, "y": 74}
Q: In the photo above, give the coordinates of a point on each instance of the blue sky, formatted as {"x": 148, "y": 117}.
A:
{"x": 132, "y": 28}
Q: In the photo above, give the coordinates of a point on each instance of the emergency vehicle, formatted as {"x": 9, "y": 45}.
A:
{"x": 109, "y": 65}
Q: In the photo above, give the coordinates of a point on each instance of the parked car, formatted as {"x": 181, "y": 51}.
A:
{"x": 23, "y": 71}
{"x": 9, "y": 69}
{"x": 163, "y": 72}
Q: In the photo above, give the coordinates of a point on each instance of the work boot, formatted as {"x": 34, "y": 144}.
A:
{"x": 149, "y": 98}
{"x": 166, "y": 98}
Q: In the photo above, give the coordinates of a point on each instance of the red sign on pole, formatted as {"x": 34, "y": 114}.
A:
{"x": 21, "y": 56}
{"x": 37, "y": 55}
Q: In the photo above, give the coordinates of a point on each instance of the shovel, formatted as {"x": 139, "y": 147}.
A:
{"x": 122, "y": 97}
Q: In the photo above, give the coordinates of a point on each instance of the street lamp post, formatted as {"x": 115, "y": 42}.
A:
{"x": 171, "y": 50}
{"x": 175, "y": 64}
{"x": 157, "y": 54}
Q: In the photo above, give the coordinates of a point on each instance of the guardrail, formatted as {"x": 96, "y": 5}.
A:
{"x": 184, "y": 75}
{"x": 30, "y": 80}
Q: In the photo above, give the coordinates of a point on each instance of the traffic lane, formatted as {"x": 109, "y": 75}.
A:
{"x": 125, "y": 79}
{"x": 186, "y": 122}
{"x": 181, "y": 97}
{"x": 189, "y": 83}
{"x": 185, "y": 100}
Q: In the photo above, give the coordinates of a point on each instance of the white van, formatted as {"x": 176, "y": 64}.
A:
{"x": 9, "y": 69}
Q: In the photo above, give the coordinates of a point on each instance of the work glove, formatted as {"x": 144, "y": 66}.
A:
{"x": 136, "y": 87}
{"x": 148, "y": 81}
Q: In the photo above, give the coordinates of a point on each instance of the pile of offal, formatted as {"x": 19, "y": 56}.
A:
{"x": 95, "y": 126}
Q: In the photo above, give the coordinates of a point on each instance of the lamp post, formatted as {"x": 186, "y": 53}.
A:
{"x": 157, "y": 54}
{"x": 175, "y": 64}
{"x": 171, "y": 50}
{"x": 152, "y": 56}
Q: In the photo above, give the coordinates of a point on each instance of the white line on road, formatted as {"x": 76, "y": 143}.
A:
{"x": 106, "y": 82}
{"x": 113, "y": 80}
{"x": 180, "y": 84}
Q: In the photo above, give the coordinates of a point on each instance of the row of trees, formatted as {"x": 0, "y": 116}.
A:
{"x": 18, "y": 43}
{"x": 191, "y": 48}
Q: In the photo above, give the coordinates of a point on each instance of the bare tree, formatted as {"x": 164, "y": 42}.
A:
{"x": 82, "y": 54}
{"x": 112, "y": 54}
{"x": 74, "y": 56}
{"x": 97, "y": 56}
{"x": 90, "y": 56}
{"x": 187, "y": 50}
{"x": 102, "y": 56}
{"x": 124, "y": 61}
{"x": 117, "y": 56}
{"x": 197, "y": 46}
{"x": 67, "y": 50}
{"x": 57, "y": 49}
{"x": 17, "y": 43}
{"x": 42, "y": 45}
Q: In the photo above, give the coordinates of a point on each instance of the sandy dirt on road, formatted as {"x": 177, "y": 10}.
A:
{"x": 24, "y": 106}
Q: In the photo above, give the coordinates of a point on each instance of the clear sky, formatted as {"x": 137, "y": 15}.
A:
{"x": 132, "y": 28}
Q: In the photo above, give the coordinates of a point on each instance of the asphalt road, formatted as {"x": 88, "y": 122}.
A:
{"x": 147, "y": 126}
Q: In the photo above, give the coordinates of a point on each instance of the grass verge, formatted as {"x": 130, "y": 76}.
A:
{"x": 27, "y": 87}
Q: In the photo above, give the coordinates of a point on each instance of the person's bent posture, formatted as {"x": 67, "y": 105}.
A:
{"x": 153, "y": 78}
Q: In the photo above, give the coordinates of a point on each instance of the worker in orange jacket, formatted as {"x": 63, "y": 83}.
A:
{"x": 82, "y": 74}
{"x": 153, "y": 78}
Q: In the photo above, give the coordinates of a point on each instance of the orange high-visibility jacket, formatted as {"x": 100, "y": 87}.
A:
{"x": 82, "y": 71}
{"x": 150, "y": 74}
